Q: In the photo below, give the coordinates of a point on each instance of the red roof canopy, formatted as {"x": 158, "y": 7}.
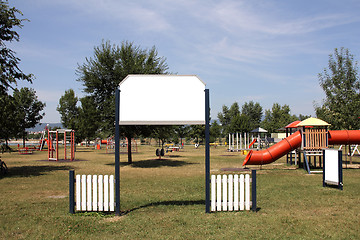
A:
{"x": 293, "y": 124}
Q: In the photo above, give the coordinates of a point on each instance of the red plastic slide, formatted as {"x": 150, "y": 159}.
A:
{"x": 292, "y": 142}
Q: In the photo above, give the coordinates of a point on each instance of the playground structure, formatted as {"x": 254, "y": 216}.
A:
{"x": 239, "y": 142}
{"x": 311, "y": 138}
{"x": 243, "y": 142}
{"x": 67, "y": 136}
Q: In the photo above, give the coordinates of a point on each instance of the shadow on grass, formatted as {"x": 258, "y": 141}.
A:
{"x": 155, "y": 163}
{"x": 166, "y": 203}
{"x": 29, "y": 171}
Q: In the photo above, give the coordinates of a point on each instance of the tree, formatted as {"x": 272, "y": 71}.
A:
{"x": 28, "y": 109}
{"x": 10, "y": 72}
{"x": 278, "y": 117}
{"x": 181, "y": 132}
{"x": 68, "y": 109}
{"x": 341, "y": 85}
{"x": 255, "y": 112}
{"x": 226, "y": 116}
{"x": 215, "y": 131}
{"x": 88, "y": 122}
{"x": 197, "y": 132}
{"x": 102, "y": 73}
{"x": 240, "y": 123}
{"x": 7, "y": 117}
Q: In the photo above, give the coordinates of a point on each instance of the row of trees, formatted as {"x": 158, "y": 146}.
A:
{"x": 251, "y": 116}
{"x": 20, "y": 109}
{"x": 93, "y": 115}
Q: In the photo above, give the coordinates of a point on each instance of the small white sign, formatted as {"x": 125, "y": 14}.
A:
{"x": 331, "y": 166}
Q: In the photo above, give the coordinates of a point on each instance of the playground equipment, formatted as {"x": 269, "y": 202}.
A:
{"x": 239, "y": 142}
{"x": 312, "y": 138}
{"x": 68, "y": 138}
{"x": 43, "y": 140}
{"x": 295, "y": 153}
{"x": 261, "y": 142}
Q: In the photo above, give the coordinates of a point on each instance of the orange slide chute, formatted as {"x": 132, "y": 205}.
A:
{"x": 344, "y": 137}
{"x": 274, "y": 152}
{"x": 292, "y": 142}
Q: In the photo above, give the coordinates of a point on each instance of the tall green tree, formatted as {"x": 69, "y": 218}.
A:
{"x": 10, "y": 73}
{"x": 278, "y": 117}
{"x": 341, "y": 85}
{"x": 225, "y": 117}
{"x": 7, "y": 117}
{"x": 215, "y": 132}
{"x": 28, "y": 110}
{"x": 88, "y": 119}
{"x": 102, "y": 73}
{"x": 68, "y": 109}
{"x": 255, "y": 113}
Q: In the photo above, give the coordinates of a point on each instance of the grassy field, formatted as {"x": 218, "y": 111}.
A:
{"x": 165, "y": 199}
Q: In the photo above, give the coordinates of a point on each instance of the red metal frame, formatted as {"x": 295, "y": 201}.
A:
{"x": 51, "y": 148}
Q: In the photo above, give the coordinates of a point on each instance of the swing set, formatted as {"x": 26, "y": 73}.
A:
{"x": 67, "y": 136}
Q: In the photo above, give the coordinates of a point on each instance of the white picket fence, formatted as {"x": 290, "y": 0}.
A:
{"x": 230, "y": 192}
{"x": 95, "y": 193}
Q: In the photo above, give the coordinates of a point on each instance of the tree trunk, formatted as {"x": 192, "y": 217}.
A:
{"x": 129, "y": 149}
{"x": 24, "y": 137}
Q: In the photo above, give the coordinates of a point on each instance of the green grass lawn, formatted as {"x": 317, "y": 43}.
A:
{"x": 166, "y": 200}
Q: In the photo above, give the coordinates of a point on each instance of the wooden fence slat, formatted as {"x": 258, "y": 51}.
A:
{"x": 242, "y": 192}
{"x": 106, "y": 193}
{"x": 89, "y": 193}
{"x": 101, "y": 192}
{"x": 95, "y": 193}
{"x": 213, "y": 193}
{"x": 78, "y": 193}
{"x": 231, "y": 191}
{"x": 218, "y": 191}
{"x": 83, "y": 192}
{"x": 247, "y": 192}
{"x": 225, "y": 202}
{"x": 111, "y": 184}
{"x": 236, "y": 192}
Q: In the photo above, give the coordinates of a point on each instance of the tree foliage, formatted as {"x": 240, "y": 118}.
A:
{"x": 10, "y": 72}
{"x": 341, "y": 85}
{"x": 255, "y": 113}
{"x": 28, "y": 110}
{"x": 68, "y": 109}
{"x": 278, "y": 117}
{"x": 7, "y": 117}
{"x": 102, "y": 73}
{"x": 233, "y": 120}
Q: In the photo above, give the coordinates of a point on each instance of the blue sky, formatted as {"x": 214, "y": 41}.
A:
{"x": 264, "y": 51}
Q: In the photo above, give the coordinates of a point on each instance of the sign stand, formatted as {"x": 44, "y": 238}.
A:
{"x": 194, "y": 110}
{"x": 332, "y": 168}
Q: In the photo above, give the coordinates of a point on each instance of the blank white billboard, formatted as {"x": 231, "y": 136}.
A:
{"x": 162, "y": 100}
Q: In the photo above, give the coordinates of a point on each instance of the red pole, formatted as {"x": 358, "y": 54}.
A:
{"x": 65, "y": 144}
{"x": 57, "y": 145}
{"x": 49, "y": 144}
